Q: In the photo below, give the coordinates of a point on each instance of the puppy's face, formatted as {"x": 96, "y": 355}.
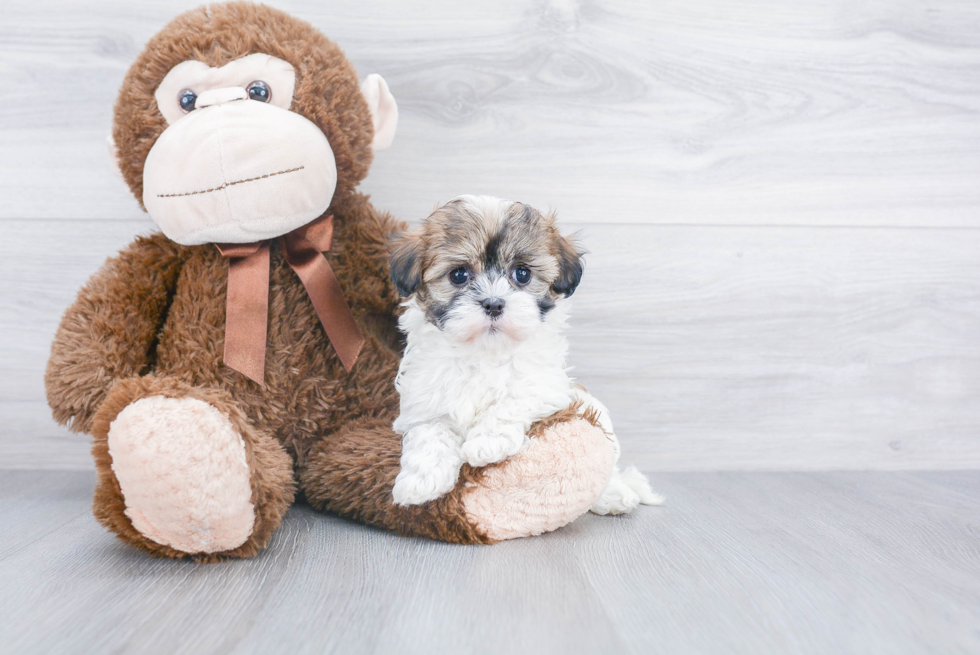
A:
{"x": 485, "y": 268}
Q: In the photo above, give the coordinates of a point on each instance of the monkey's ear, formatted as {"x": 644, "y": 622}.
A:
{"x": 114, "y": 156}
{"x": 406, "y": 263}
{"x": 570, "y": 266}
{"x": 384, "y": 110}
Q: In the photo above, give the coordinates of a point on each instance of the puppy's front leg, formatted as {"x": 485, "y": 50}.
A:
{"x": 430, "y": 464}
{"x": 492, "y": 441}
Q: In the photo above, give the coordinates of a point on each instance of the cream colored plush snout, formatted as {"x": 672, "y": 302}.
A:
{"x": 236, "y": 170}
{"x": 219, "y": 96}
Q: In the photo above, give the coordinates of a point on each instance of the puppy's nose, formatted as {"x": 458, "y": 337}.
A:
{"x": 493, "y": 306}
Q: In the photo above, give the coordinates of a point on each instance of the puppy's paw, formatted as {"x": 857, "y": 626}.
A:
{"x": 483, "y": 446}
{"x": 417, "y": 487}
{"x": 625, "y": 491}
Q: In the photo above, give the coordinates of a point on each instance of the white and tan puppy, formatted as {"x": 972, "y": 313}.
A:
{"x": 487, "y": 282}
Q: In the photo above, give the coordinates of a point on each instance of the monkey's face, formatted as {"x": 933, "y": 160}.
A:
{"x": 239, "y": 123}
{"x": 235, "y": 164}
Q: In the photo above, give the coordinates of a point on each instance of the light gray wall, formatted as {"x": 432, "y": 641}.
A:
{"x": 781, "y": 200}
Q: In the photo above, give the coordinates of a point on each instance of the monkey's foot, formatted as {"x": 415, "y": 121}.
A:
{"x": 555, "y": 479}
{"x": 183, "y": 473}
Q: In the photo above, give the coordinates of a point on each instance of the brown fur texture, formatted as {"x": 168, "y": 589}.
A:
{"x": 152, "y": 321}
{"x": 111, "y": 330}
{"x": 160, "y": 307}
{"x": 353, "y": 474}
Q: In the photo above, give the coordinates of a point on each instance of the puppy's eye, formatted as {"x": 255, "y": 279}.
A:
{"x": 187, "y": 100}
{"x": 522, "y": 275}
{"x": 259, "y": 90}
{"x": 459, "y": 276}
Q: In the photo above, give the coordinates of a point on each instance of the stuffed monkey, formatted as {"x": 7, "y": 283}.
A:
{"x": 247, "y": 353}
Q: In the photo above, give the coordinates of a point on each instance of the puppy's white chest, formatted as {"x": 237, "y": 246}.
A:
{"x": 486, "y": 390}
{"x": 461, "y": 384}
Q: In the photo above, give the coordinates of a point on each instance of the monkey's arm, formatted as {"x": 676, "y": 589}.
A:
{"x": 110, "y": 331}
{"x": 364, "y": 270}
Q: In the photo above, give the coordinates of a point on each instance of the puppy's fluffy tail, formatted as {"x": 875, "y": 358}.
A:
{"x": 625, "y": 491}
{"x": 639, "y": 483}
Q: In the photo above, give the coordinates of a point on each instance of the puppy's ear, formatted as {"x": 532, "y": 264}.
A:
{"x": 406, "y": 263}
{"x": 570, "y": 266}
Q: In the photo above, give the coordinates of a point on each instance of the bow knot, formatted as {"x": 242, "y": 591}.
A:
{"x": 247, "y": 310}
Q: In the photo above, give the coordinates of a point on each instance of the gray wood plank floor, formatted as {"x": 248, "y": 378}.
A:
{"x": 880, "y": 562}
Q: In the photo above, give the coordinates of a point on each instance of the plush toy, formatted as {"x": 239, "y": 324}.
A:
{"x": 248, "y": 353}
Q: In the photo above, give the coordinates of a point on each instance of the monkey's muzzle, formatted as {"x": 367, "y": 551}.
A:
{"x": 237, "y": 171}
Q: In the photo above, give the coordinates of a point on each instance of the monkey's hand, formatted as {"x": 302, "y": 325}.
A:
{"x": 110, "y": 330}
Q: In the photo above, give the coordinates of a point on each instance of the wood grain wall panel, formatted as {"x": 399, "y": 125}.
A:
{"x": 780, "y": 203}
{"x": 785, "y": 347}
{"x": 43, "y": 263}
{"x": 705, "y": 112}
{"x": 715, "y": 348}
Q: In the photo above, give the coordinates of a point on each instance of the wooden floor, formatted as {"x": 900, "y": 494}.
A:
{"x": 885, "y": 562}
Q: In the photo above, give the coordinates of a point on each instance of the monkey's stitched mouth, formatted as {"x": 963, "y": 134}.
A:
{"x": 228, "y": 184}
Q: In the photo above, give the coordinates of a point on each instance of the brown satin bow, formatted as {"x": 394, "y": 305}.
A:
{"x": 247, "y": 311}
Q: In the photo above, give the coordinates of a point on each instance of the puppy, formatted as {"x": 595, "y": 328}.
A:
{"x": 487, "y": 282}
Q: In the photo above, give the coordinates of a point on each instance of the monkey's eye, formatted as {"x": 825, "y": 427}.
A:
{"x": 522, "y": 275}
{"x": 259, "y": 90}
{"x": 459, "y": 276}
{"x": 187, "y": 98}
